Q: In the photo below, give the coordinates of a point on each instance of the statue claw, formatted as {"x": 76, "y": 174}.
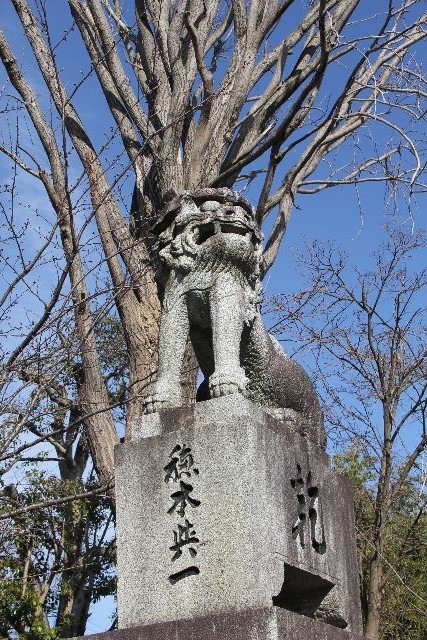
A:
{"x": 152, "y": 404}
{"x": 163, "y": 397}
{"x": 226, "y": 385}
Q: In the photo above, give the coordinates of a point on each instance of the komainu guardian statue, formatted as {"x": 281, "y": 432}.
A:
{"x": 209, "y": 246}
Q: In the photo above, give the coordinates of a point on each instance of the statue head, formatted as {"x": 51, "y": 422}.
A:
{"x": 208, "y": 221}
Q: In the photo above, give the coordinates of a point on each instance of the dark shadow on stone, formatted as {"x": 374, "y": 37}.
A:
{"x": 309, "y": 595}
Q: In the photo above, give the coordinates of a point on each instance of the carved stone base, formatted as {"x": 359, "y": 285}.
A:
{"x": 253, "y": 624}
{"x": 221, "y": 508}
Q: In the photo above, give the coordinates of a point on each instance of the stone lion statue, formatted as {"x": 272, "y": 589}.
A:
{"x": 209, "y": 246}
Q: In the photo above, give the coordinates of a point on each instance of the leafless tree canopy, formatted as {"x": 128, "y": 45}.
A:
{"x": 291, "y": 96}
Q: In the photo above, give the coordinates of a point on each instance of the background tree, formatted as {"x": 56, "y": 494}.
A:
{"x": 55, "y": 560}
{"x": 57, "y": 547}
{"x": 403, "y": 607}
{"x": 367, "y": 332}
{"x": 282, "y": 98}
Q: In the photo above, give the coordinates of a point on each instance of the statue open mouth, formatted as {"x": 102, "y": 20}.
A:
{"x": 235, "y": 228}
{"x": 206, "y": 231}
{"x": 202, "y": 233}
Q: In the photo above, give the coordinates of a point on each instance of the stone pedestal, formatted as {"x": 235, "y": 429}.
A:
{"x": 270, "y": 623}
{"x": 230, "y": 524}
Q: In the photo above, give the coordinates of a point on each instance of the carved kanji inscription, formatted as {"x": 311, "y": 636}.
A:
{"x": 179, "y": 471}
{"x": 308, "y": 527}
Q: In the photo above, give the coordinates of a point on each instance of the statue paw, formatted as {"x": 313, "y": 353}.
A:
{"x": 223, "y": 389}
{"x": 228, "y": 383}
{"x": 164, "y": 396}
{"x": 154, "y": 403}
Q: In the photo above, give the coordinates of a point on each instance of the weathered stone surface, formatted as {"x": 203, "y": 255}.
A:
{"x": 253, "y": 624}
{"x": 222, "y": 508}
{"x": 210, "y": 247}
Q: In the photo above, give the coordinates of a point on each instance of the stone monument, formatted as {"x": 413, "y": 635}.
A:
{"x": 230, "y": 521}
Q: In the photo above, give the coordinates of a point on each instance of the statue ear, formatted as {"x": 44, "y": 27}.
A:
{"x": 188, "y": 206}
{"x": 167, "y": 235}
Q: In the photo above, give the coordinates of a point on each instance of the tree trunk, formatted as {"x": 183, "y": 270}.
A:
{"x": 71, "y": 575}
{"x": 140, "y": 322}
{"x": 74, "y": 606}
{"x": 190, "y": 371}
{"x": 374, "y": 599}
{"x": 381, "y": 511}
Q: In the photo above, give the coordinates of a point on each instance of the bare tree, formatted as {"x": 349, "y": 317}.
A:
{"x": 279, "y": 98}
{"x": 57, "y": 547}
{"x": 181, "y": 83}
{"x": 367, "y": 331}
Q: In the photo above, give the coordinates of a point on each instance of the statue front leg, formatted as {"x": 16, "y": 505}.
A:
{"x": 174, "y": 329}
{"x": 227, "y": 310}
